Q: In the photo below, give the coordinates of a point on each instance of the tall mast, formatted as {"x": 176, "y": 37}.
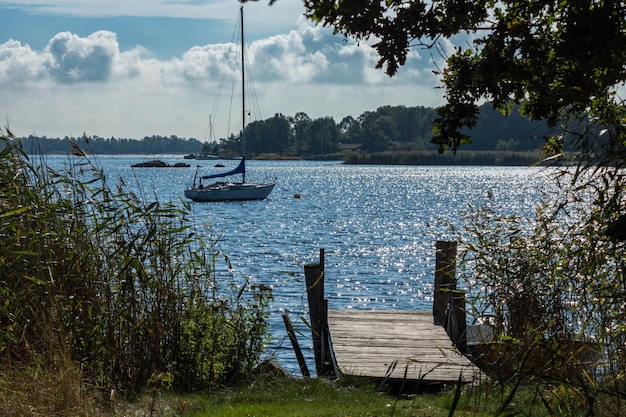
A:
{"x": 243, "y": 89}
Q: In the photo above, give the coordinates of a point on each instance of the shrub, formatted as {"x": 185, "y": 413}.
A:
{"x": 553, "y": 288}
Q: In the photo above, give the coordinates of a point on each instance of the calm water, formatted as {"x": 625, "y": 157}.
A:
{"x": 378, "y": 225}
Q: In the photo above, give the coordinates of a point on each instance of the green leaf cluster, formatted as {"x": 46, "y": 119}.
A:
{"x": 555, "y": 58}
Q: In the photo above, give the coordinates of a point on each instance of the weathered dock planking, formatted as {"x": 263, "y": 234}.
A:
{"x": 420, "y": 346}
{"x": 396, "y": 345}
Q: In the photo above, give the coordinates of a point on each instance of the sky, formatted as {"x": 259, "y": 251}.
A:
{"x": 136, "y": 68}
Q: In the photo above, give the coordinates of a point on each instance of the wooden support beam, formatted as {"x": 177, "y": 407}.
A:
{"x": 318, "y": 312}
{"x": 448, "y": 301}
{"x": 296, "y": 346}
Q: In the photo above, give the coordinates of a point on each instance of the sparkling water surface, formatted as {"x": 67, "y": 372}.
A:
{"x": 377, "y": 224}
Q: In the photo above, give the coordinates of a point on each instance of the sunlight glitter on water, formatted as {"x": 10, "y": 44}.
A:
{"x": 378, "y": 225}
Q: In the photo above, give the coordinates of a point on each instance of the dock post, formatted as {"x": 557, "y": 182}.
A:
{"x": 448, "y": 303}
{"x": 318, "y": 312}
{"x": 296, "y": 346}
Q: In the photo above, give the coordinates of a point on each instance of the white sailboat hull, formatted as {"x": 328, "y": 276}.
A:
{"x": 229, "y": 191}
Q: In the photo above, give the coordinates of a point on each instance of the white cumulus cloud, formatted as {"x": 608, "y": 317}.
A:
{"x": 76, "y": 59}
{"x": 86, "y": 83}
{"x": 19, "y": 63}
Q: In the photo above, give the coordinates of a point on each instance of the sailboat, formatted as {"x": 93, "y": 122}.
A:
{"x": 231, "y": 190}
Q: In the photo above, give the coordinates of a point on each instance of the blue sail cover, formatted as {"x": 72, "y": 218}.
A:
{"x": 241, "y": 169}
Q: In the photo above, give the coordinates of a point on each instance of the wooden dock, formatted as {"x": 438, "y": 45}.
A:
{"x": 401, "y": 345}
{"x": 414, "y": 346}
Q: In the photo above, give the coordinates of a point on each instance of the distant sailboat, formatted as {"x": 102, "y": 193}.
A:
{"x": 227, "y": 190}
{"x": 207, "y": 156}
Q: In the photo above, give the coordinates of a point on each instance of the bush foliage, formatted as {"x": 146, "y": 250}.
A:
{"x": 123, "y": 287}
{"x": 553, "y": 289}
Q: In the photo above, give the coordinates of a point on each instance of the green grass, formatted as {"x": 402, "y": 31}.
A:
{"x": 265, "y": 396}
{"x": 302, "y": 398}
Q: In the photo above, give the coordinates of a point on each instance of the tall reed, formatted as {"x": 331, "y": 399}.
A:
{"x": 124, "y": 286}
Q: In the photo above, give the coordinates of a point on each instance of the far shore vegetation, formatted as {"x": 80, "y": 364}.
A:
{"x": 388, "y": 135}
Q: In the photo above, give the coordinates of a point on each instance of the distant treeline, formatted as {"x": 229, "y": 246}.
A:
{"x": 389, "y": 129}
{"x": 112, "y": 146}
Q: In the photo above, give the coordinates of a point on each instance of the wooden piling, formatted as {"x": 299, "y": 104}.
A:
{"x": 296, "y": 346}
{"x": 318, "y": 312}
{"x": 448, "y": 302}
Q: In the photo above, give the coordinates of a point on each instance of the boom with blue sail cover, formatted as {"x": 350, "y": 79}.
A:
{"x": 241, "y": 169}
